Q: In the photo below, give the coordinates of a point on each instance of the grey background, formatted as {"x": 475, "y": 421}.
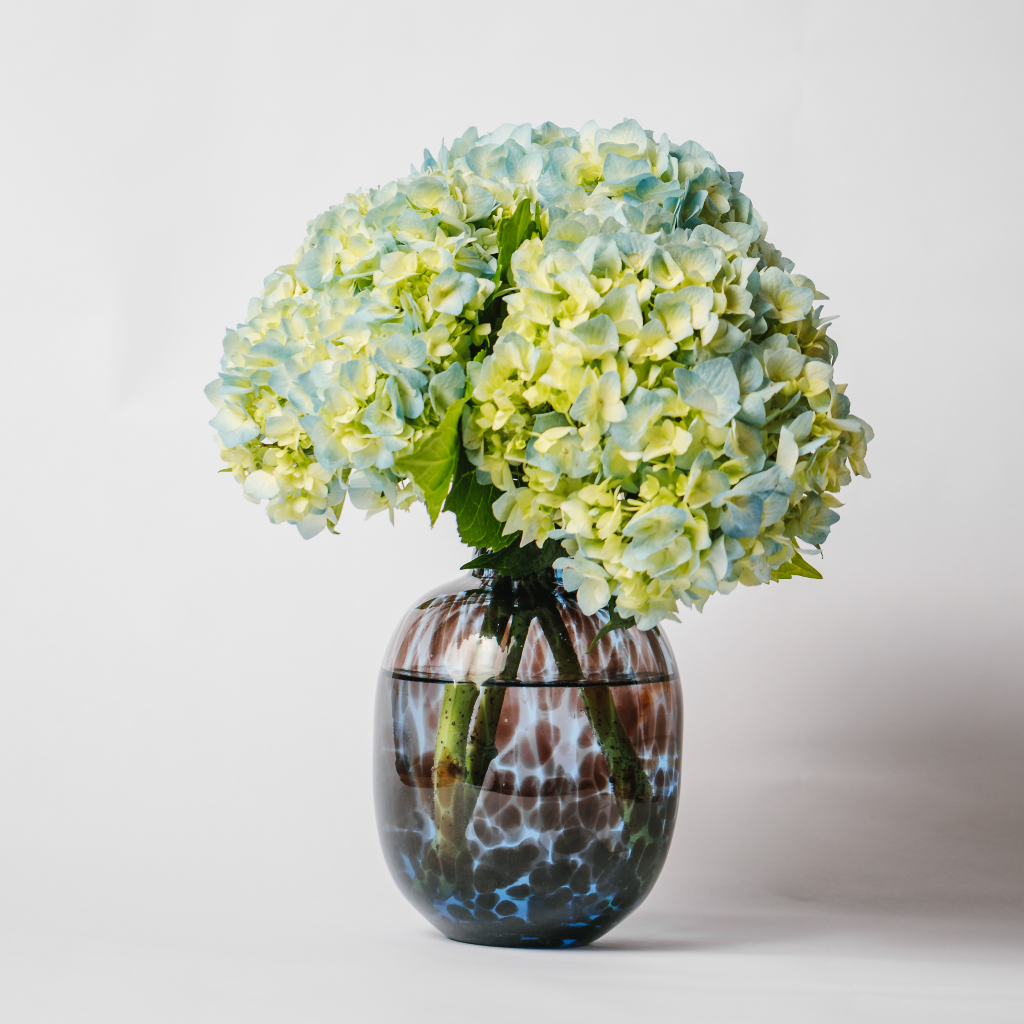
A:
{"x": 185, "y": 818}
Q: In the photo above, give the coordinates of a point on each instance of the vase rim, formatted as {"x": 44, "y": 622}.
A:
{"x": 638, "y": 679}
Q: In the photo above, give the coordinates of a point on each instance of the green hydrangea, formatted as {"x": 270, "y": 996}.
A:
{"x": 587, "y": 329}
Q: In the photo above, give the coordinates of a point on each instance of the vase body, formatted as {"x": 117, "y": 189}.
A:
{"x": 533, "y": 807}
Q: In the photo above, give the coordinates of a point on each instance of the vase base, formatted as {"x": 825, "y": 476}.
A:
{"x": 529, "y": 941}
{"x": 565, "y": 937}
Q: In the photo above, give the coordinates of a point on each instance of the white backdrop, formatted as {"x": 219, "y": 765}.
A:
{"x": 185, "y": 818}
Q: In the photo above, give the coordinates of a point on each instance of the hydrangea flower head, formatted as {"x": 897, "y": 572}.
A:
{"x": 639, "y": 374}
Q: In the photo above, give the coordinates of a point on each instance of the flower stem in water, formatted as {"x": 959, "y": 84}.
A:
{"x": 630, "y": 783}
{"x": 449, "y": 774}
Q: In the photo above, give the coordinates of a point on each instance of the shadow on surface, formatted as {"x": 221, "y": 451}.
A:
{"x": 695, "y": 932}
{"x": 827, "y": 930}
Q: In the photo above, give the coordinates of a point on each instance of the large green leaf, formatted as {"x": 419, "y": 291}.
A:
{"x": 518, "y": 562}
{"x": 433, "y": 463}
{"x": 512, "y": 232}
{"x": 471, "y": 502}
{"x": 799, "y": 566}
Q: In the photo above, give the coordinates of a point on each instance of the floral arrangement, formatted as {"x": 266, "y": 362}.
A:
{"x": 580, "y": 343}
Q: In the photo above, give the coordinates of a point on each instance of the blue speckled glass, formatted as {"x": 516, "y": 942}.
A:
{"x": 548, "y": 818}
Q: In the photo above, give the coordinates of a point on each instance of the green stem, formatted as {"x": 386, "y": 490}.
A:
{"x": 630, "y": 784}
{"x": 465, "y": 744}
{"x": 499, "y": 608}
{"x": 557, "y": 636}
{"x": 453, "y": 729}
{"x": 481, "y": 749}
{"x": 449, "y": 773}
{"x": 632, "y": 787}
{"x": 523, "y": 615}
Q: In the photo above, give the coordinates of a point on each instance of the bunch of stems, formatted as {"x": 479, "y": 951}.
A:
{"x": 466, "y": 743}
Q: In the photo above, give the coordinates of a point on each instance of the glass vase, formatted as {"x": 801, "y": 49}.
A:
{"x": 526, "y": 777}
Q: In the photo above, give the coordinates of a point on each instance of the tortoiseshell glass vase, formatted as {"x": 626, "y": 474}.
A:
{"x": 526, "y": 779}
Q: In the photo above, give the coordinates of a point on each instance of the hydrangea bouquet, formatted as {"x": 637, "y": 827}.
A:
{"x": 580, "y": 343}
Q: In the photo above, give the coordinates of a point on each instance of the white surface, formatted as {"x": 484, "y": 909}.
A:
{"x": 730, "y": 969}
{"x": 185, "y": 821}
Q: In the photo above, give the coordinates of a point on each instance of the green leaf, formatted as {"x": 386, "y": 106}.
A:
{"x": 799, "y": 566}
{"x": 615, "y": 621}
{"x": 433, "y": 463}
{"x": 512, "y": 232}
{"x": 519, "y": 562}
{"x": 471, "y": 502}
{"x": 337, "y": 515}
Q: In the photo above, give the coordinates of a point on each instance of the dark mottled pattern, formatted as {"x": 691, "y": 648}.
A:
{"x": 547, "y": 853}
{"x": 455, "y": 611}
